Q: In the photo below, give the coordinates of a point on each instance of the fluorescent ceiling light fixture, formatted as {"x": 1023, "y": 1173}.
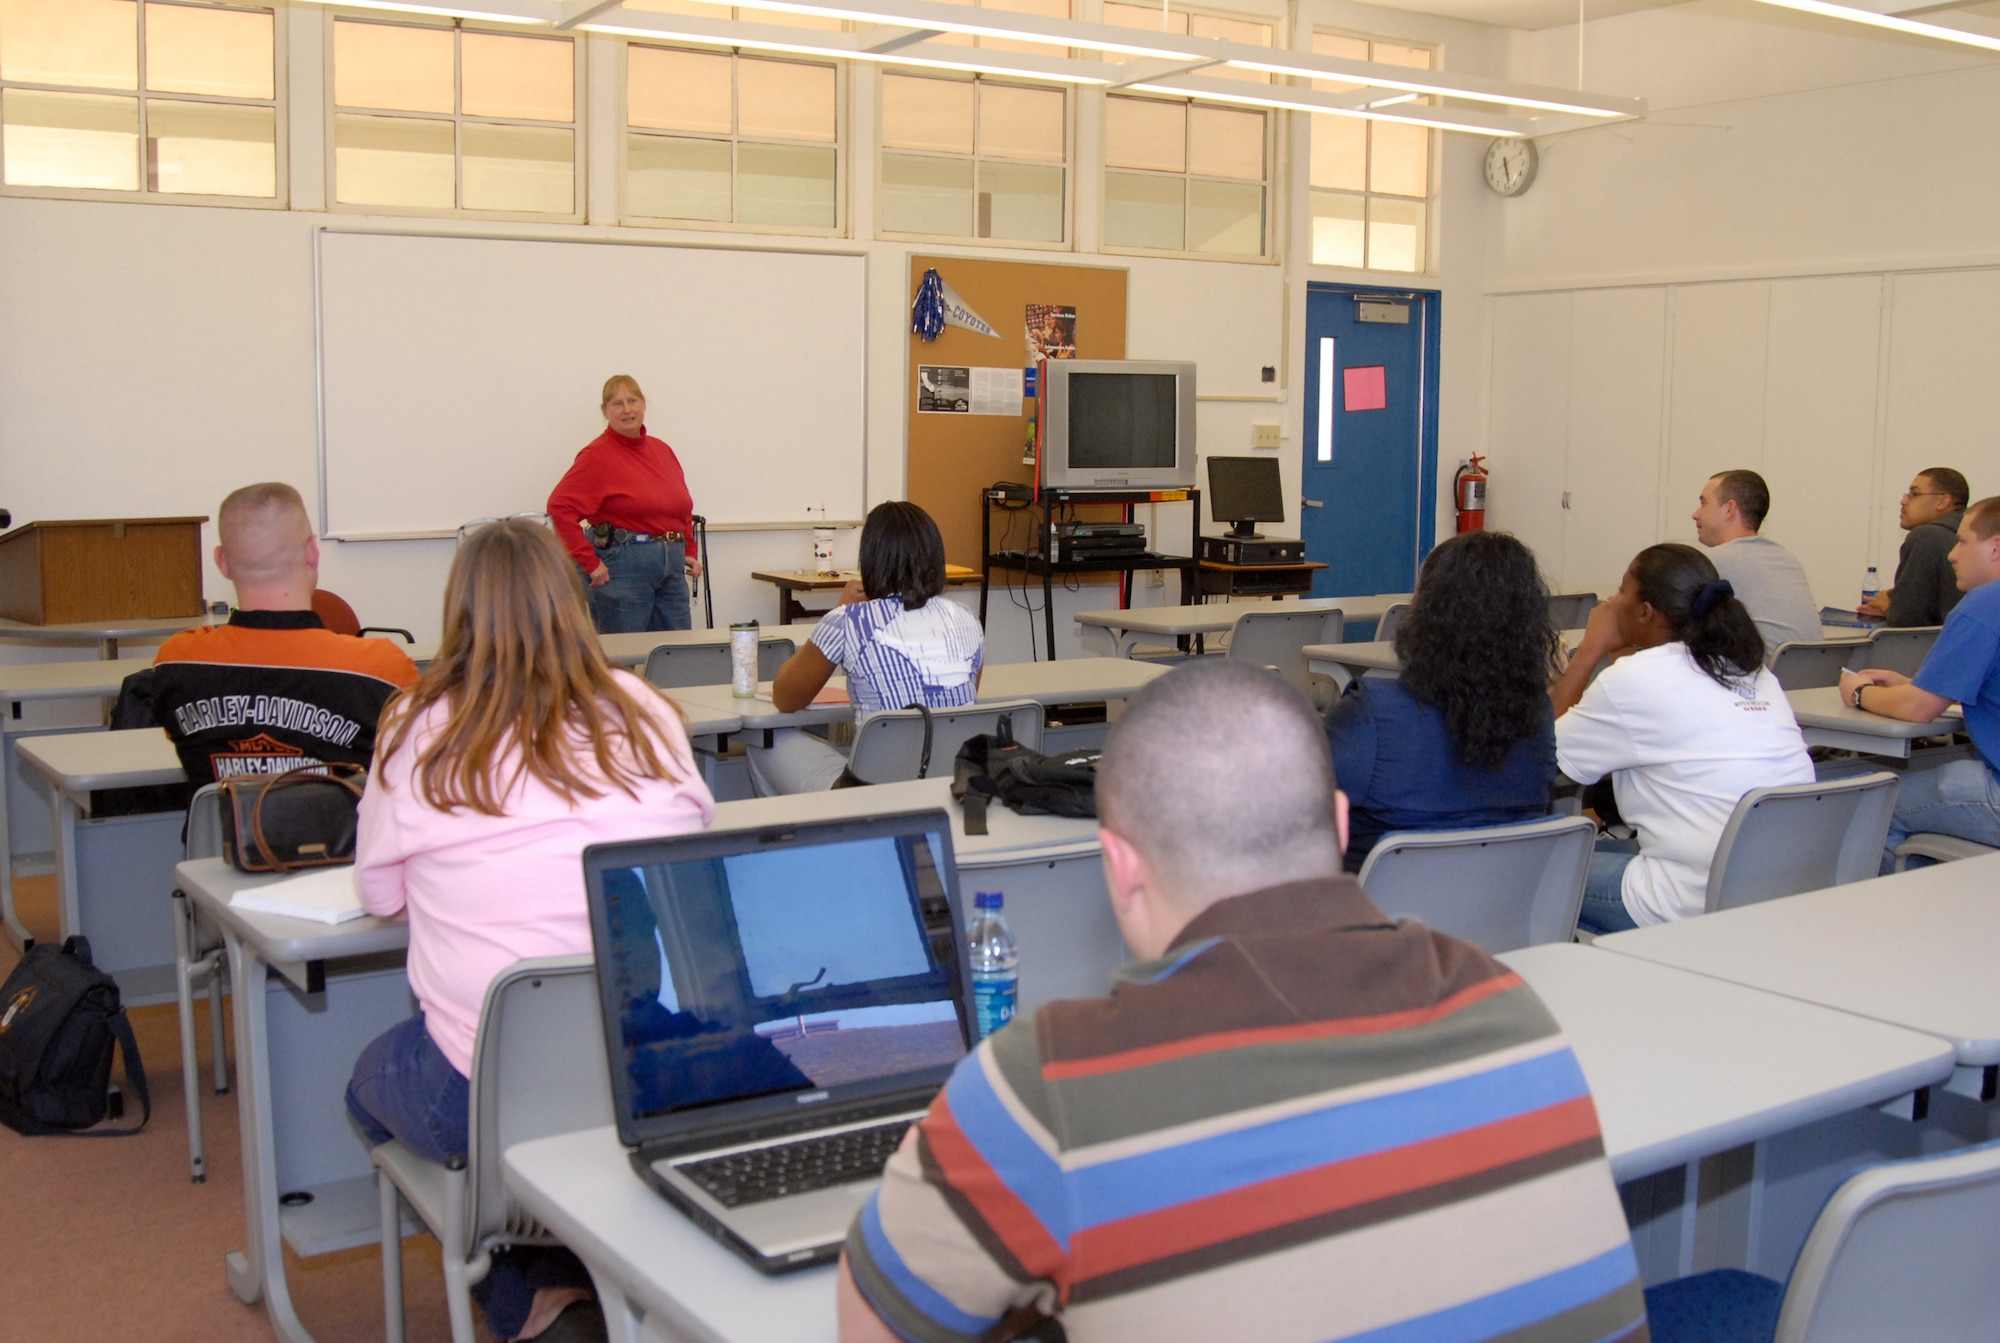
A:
{"x": 539, "y": 12}
{"x": 1894, "y": 23}
{"x": 848, "y": 46}
{"x": 1309, "y": 65}
{"x": 1310, "y": 100}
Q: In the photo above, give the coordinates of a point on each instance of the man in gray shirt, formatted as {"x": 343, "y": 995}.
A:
{"x": 1768, "y": 579}
{"x": 1925, "y": 589}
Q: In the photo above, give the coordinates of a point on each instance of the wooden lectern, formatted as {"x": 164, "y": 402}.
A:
{"x": 57, "y": 573}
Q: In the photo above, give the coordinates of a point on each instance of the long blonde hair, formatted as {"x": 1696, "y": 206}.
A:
{"x": 520, "y": 666}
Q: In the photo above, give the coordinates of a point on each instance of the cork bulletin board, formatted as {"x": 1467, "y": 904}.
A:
{"x": 952, "y": 456}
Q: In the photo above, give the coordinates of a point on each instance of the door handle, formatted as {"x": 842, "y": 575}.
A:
{"x": 1312, "y": 503}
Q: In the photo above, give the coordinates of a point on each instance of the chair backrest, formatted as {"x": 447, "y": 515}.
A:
{"x": 1904, "y": 1249}
{"x": 204, "y": 823}
{"x": 334, "y": 612}
{"x": 1801, "y": 665}
{"x": 888, "y": 747}
{"x": 538, "y": 1069}
{"x": 1801, "y": 837}
{"x": 1278, "y": 639}
{"x": 1391, "y": 621}
{"x": 1902, "y": 650}
{"x": 1571, "y": 610}
{"x": 673, "y": 665}
{"x": 1498, "y": 887}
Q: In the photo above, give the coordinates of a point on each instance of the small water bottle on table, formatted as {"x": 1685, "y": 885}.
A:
{"x": 1871, "y": 588}
{"x": 996, "y": 961}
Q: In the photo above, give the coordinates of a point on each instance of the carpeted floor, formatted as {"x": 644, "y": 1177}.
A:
{"x": 110, "y": 1239}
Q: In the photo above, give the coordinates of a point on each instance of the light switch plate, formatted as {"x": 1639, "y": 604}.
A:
{"x": 1264, "y": 435}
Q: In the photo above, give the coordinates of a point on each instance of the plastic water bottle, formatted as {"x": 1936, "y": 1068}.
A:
{"x": 1871, "y": 586}
{"x": 996, "y": 961}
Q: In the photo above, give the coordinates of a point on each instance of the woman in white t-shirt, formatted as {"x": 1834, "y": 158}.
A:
{"x": 897, "y": 637}
{"x": 1685, "y": 721}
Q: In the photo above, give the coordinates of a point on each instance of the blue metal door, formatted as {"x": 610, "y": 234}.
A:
{"x": 1370, "y": 470}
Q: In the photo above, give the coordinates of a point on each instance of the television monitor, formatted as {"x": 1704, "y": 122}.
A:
{"x": 1243, "y": 491}
{"x": 1117, "y": 424}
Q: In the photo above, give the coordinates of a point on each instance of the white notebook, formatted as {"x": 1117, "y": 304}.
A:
{"x": 324, "y": 895}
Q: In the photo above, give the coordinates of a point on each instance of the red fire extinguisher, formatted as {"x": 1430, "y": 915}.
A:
{"x": 1468, "y": 490}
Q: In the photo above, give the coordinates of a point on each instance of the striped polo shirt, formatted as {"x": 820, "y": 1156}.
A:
{"x": 1303, "y": 1123}
{"x": 894, "y": 657}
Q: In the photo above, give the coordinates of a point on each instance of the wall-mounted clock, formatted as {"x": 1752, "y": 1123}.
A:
{"x": 1510, "y": 165}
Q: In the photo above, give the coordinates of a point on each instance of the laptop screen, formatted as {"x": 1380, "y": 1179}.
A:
{"x": 786, "y": 966}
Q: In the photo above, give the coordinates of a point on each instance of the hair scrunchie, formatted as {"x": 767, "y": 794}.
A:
{"x": 1711, "y": 593}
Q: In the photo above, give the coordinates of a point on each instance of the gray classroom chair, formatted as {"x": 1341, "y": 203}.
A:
{"x": 1902, "y": 650}
{"x": 538, "y": 1069}
{"x": 1571, "y": 610}
{"x": 1809, "y": 665}
{"x": 1801, "y": 837}
{"x": 1904, "y": 1249}
{"x": 1391, "y": 621}
{"x": 1277, "y": 639}
{"x": 1939, "y": 849}
{"x": 674, "y": 665}
{"x": 1498, "y": 887}
{"x": 889, "y": 747}
{"x": 199, "y": 955}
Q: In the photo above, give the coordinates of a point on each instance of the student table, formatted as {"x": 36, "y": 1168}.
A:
{"x": 1916, "y": 949}
{"x": 41, "y": 682}
{"x": 1680, "y": 1066}
{"x": 113, "y": 874}
{"x": 632, "y": 650}
{"x": 104, "y": 633}
{"x": 790, "y": 582}
{"x": 1118, "y": 633}
{"x": 305, "y": 998}
{"x": 1828, "y": 720}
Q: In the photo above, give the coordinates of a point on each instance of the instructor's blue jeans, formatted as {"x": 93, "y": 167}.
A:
{"x": 405, "y": 1088}
{"x": 648, "y": 589}
{"x": 1961, "y": 798}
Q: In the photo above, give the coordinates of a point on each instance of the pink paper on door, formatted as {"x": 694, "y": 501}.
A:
{"x": 1364, "y": 388}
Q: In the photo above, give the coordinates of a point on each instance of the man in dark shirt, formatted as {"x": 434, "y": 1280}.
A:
{"x": 1925, "y": 589}
{"x": 273, "y": 690}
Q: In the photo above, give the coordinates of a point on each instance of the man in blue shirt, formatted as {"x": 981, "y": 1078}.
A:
{"x": 1963, "y": 797}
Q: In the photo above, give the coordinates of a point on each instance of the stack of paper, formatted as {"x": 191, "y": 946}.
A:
{"x": 324, "y": 895}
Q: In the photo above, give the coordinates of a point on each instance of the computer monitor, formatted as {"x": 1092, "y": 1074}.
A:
{"x": 1245, "y": 490}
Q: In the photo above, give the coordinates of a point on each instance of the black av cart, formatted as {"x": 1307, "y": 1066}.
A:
{"x": 1039, "y": 546}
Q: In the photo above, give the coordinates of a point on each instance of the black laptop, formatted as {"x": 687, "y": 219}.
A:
{"x": 779, "y": 1005}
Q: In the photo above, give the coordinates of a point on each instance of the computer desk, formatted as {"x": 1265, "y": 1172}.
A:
{"x": 1680, "y": 1066}
{"x": 1118, "y": 633}
{"x": 43, "y": 683}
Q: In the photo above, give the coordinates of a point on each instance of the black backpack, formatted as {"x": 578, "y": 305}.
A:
{"x": 60, "y": 1020}
{"x": 997, "y": 766}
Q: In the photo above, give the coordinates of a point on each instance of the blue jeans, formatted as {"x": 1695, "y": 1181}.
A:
{"x": 1961, "y": 799}
{"x": 648, "y": 589}
{"x": 404, "y": 1088}
{"x": 1604, "y": 889}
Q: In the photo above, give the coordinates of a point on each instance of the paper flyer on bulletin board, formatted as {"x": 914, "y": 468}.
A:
{"x": 944, "y": 389}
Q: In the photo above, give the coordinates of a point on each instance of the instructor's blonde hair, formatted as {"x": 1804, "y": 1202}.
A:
{"x": 520, "y": 666}
{"x": 620, "y": 382}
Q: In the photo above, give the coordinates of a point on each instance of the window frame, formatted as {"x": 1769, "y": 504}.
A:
{"x": 280, "y": 197}
{"x": 1367, "y": 195}
{"x": 842, "y": 161}
{"x": 1068, "y": 242}
{"x": 579, "y": 98}
{"x": 1274, "y": 139}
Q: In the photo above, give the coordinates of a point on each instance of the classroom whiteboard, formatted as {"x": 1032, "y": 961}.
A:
{"x": 459, "y": 376}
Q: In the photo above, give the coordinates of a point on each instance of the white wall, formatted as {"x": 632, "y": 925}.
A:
{"x": 1788, "y": 266}
{"x": 153, "y": 357}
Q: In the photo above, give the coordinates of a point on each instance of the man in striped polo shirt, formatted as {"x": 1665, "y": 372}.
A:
{"x": 1292, "y": 1120}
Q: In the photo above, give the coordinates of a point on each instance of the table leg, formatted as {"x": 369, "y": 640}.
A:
{"x": 258, "y": 1272}
{"x": 1049, "y": 608}
{"x": 67, "y": 810}
{"x": 17, "y": 932}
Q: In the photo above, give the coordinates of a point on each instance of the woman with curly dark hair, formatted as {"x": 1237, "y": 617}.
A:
{"x": 1464, "y": 738}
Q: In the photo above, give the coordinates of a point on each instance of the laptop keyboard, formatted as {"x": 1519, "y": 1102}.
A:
{"x": 797, "y": 1167}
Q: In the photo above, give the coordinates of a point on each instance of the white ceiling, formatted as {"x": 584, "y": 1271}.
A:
{"x": 1530, "y": 14}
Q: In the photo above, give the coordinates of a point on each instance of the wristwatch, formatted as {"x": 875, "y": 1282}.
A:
{"x": 1857, "y": 692}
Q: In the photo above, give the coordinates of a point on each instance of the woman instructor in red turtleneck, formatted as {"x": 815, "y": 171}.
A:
{"x": 629, "y": 485}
